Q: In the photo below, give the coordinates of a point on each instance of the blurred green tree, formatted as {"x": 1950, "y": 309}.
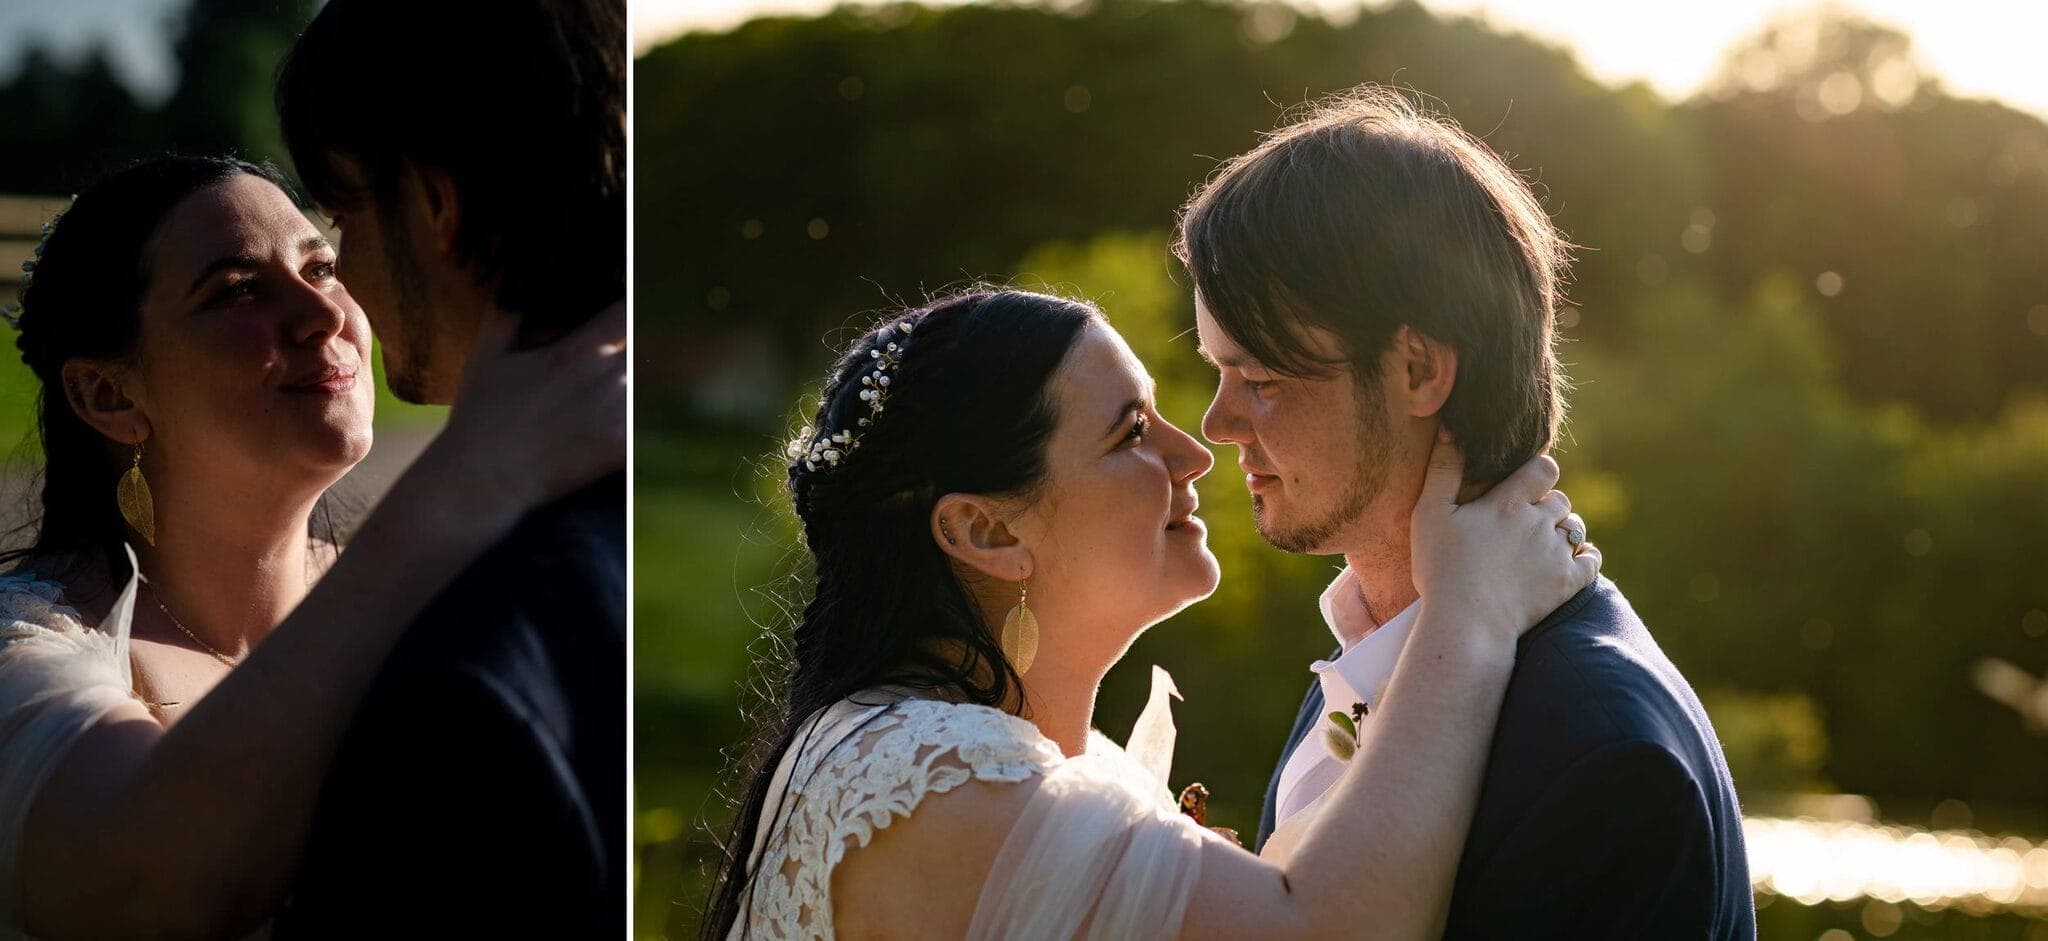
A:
{"x": 228, "y": 56}
{"x": 61, "y": 118}
{"x": 67, "y": 125}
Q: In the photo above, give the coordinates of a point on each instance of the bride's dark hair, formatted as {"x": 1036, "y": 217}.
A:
{"x": 83, "y": 300}
{"x": 969, "y": 410}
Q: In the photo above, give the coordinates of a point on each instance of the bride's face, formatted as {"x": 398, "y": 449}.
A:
{"x": 1113, "y": 538}
{"x": 252, "y": 368}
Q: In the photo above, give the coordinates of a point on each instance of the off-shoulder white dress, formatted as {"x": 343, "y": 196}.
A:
{"x": 57, "y": 678}
{"x": 1099, "y": 852}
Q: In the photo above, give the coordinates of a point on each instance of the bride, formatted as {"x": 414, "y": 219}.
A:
{"x": 184, "y": 642}
{"x": 996, "y": 459}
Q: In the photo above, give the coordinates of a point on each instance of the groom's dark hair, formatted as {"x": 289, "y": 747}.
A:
{"x": 1369, "y": 213}
{"x": 521, "y": 102}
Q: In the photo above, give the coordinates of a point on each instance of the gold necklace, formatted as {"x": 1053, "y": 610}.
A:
{"x": 180, "y": 625}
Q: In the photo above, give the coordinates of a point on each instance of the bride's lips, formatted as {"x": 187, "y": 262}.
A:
{"x": 331, "y": 380}
{"x": 1185, "y": 521}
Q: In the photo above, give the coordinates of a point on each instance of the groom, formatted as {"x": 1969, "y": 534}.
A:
{"x": 474, "y": 154}
{"x": 1363, "y": 277}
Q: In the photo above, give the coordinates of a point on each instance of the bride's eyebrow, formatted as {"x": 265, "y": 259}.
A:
{"x": 240, "y": 261}
{"x": 243, "y": 261}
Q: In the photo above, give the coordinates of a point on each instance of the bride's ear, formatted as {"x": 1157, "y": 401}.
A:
{"x": 97, "y": 394}
{"x": 970, "y": 528}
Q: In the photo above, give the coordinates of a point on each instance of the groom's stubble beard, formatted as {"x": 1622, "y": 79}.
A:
{"x": 409, "y": 372}
{"x": 1368, "y": 478}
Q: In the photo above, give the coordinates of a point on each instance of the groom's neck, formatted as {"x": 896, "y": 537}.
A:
{"x": 461, "y": 316}
{"x": 1386, "y": 586}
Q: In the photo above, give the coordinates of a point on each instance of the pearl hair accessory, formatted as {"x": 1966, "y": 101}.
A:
{"x": 832, "y": 447}
{"x": 12, "y": 312}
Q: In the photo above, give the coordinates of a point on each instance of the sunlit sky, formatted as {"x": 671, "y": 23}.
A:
{"x": 1977, "y": 47}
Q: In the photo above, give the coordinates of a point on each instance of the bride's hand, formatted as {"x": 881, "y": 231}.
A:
{"x": 1503, "y": 560}
{"x": 535, "y": 425}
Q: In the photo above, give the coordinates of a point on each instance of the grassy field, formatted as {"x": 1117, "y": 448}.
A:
{"x": 702, "y": 546}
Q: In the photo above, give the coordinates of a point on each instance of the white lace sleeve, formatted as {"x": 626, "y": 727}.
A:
{"x": 57, "y": 678}
{"x": 1099, "y": 851}
{"x": 855, "y": 770}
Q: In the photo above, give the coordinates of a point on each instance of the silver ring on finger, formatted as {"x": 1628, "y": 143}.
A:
{"x": 1577, "y": 537}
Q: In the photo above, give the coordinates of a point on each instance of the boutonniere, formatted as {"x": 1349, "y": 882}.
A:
{"x": 1340, "y": 736}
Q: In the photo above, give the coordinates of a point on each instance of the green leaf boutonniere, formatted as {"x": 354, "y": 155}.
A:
{"x": 1341, "y": 735}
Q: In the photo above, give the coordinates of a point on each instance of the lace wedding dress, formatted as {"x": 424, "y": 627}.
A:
{"x": 1099, "y": 852}
{"x": 57, "y": 678}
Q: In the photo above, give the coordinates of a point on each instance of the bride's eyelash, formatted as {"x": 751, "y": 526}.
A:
{"x": 234, "y": 289}
{"x": 1138, "y": 429}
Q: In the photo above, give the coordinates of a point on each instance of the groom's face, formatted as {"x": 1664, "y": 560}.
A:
{"x": 1315, "y": 452}
{"x": 386, "y": 257}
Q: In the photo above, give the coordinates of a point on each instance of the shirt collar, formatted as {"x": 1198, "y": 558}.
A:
{"x": 1360, "y": 672}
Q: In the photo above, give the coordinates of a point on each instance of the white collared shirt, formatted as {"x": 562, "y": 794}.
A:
{"x": 1359, "y": 674}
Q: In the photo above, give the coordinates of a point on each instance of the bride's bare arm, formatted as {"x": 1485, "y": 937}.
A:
{"x": 195, "y": 831}
{"x": 1380, "y": 860}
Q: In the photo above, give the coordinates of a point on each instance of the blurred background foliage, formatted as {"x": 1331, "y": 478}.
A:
{"x": 1809, "y": 326}
{"x": 67, "y": 122}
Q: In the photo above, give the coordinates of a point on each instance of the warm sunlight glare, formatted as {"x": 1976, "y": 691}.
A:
{"x": 1976, "y": 47}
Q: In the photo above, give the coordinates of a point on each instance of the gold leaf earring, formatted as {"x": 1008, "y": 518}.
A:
{"x": 1020, "y": 633}
{"x": 136, "y": 506}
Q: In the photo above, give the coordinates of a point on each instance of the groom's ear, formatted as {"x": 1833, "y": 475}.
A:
{"x": 96, "y": 392}
{"x": 1428, "y": 369}
{"x": 442, "y": 205}
{"x": 970, "y": 528}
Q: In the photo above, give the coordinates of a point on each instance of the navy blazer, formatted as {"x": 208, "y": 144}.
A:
{"x": 480, "y": 789}
{"x": 1606, "y": 810}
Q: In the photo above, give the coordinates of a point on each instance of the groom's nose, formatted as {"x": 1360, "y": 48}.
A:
{"x": 1224, "y": 422}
